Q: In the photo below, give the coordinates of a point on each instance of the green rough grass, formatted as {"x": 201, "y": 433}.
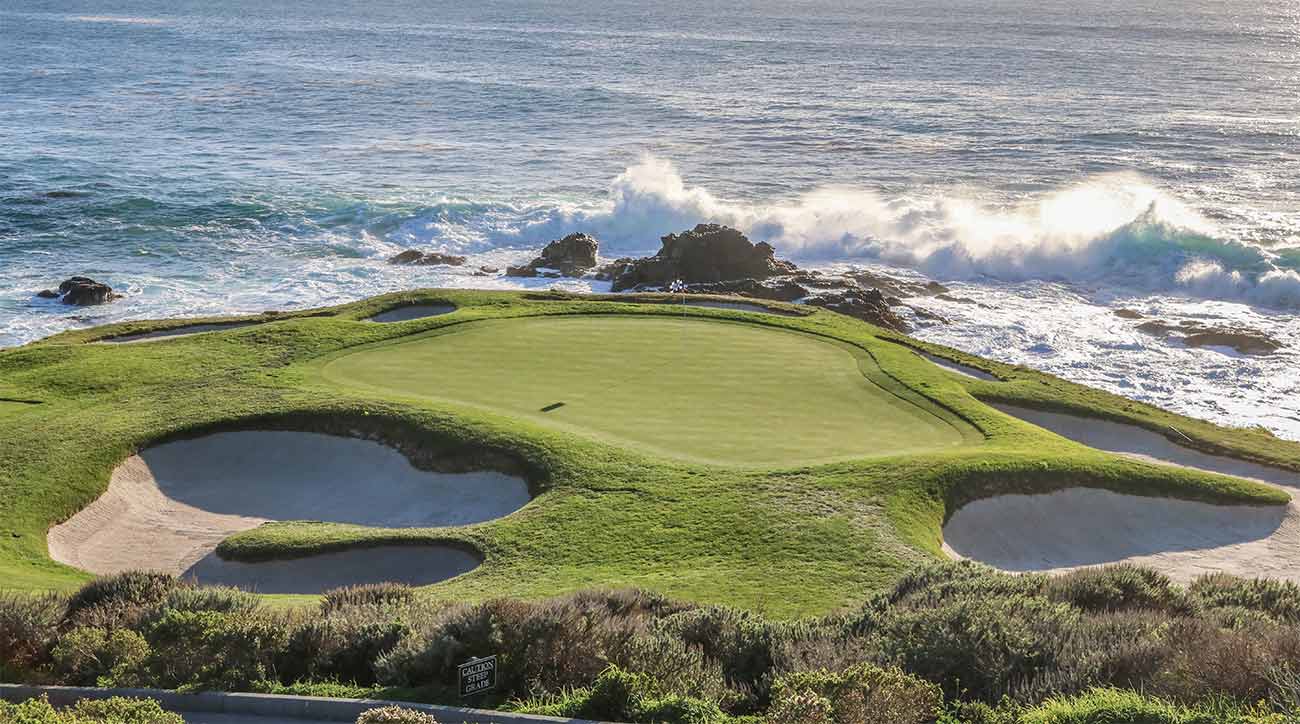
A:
{"x": 610, "y": 509}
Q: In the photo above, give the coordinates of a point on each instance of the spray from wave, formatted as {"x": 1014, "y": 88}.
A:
{"x": 1114, "y": 229}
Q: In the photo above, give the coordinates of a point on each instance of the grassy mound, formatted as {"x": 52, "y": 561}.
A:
{"x": 792, "y": 464}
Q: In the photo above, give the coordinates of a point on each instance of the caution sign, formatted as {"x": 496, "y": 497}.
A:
{"x": 478, "y": 676}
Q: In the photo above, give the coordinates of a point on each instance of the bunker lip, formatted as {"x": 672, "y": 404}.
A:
{"x": 1075, "y": 527}
{"x": 960, "y": 369}
{"x": 414, "y": 565}
{"x": 185, "y": 331}
{"x": 169, "y": 507}
{"x": 408, "y": 312}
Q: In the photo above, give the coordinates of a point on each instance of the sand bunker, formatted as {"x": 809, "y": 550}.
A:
{"x": 1077, "y": 527}
{"x": 412, "y": 311}
{"x": 961, "y": 369}
{"x": 168, "y": 507}
{"x": 185, "y": 331}
{"x": 414, "y": 565}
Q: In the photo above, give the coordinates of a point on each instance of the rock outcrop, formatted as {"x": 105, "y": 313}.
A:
{"x": 572, "y": 256}
{"x": 869, "y": 305}
{"x": 81, "y": 292}
{"x": 709, "y": 253}
{"x": 1196, "y": 334}
{"x": 431, "y": 258}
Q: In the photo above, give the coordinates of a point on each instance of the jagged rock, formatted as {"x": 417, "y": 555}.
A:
{"x": 893, "y": 287}
{"x": 572, "y": 256}
{"x": 489, "y": 270}
{"x": 1196, "y": 334}
{"x": 420, "y": 258}
{"x": 708, "y": 253}
{"x": 869, "y": 305}
{"x": 1128, "y": 314}
{"x": 81, "y": 292}
{"x": 778, "y": 289}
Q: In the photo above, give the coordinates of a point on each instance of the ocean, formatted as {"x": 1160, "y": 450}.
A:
{"x": 1049, "y": 161}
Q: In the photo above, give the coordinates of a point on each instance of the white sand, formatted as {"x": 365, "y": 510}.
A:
{"x": 167, "y": 508}
{"x": 176, "y": 332}
{"x": 1076, "y": 527}
{"x": 961, "y": 369}
{"x": 413, "y": 311}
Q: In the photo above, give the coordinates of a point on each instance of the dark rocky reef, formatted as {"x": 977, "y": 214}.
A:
{"x": 1196, "y": 334}
{"x": 415, "y": 257}
{"x": 709, "y": 253}
{"x": 81, "y": 292}
{"x": 572, "y": 256}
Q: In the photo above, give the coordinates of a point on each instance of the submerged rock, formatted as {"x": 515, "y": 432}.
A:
{"x": 708, "y": 253}
{"x": 574, "y": 255}
{"x": 432, "y": 258}
{"x": 1196, "y": 334}
{"x": 81, "y": 292}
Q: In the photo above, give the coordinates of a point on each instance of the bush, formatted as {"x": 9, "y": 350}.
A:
{"x": 1279, "y": 600}
{"x": 141, "y": 588}
{"x": 116, "y": 710}
{"x": 1118, "y": 588}
{"x": 371, "y": 594}
{"x": 742, "y": 643}
{"x": 1114, "y": 706}
{"x": 28, "y": 625}
{"x": 618, "y": 695}
{"x": 95, "y": 657}
{"x": 212, "y": 650}
{"x": 864, "y": 694}
{"x": 394, "y": 715}
{"x": 221, "y": 599}
{"x": 343, "y": 646}
{"x": 976, "y": 647}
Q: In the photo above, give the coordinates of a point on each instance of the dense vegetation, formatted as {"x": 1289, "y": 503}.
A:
{"x": 951, "y": 642}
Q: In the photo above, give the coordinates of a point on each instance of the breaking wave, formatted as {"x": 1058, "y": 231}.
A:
{"x": 1117, "y": 229}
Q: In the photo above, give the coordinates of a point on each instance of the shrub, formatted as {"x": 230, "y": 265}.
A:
{"x": 1115, "y": 706}
{"x": 116, "y": 710}
{"x": 619, "y": 695}
{"x": 1119, "y": 587}
{"x": 132, "y": 587}
{"x": 28, "y": 625}
{"x": 864, "y": 694}
{"x": 95, "y": 657}
{"x": 978, "y": 647}
{"x": 371, "y": 594}
{"x": 212, "y": 650}
{"x": 1279, "y": 600}
{"x": 395, "y": 715}
{"x": 221, "y": 599}
{"x": 1240, "y": 663}
{"x": 343, "y": 646}
{"x": 741, "y": 643}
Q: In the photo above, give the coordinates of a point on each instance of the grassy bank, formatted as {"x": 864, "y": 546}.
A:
{"x": 632, "y": 488}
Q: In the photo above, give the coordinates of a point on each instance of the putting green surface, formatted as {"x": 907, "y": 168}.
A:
{"x": 701, "y": 390}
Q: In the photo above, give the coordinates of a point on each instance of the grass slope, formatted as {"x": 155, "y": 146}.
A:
{"x": 793, "y": 539}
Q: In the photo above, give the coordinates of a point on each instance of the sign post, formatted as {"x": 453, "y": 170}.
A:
{"x": 478, "y": 676}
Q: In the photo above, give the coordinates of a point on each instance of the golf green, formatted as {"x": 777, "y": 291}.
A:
{"x": 713, "y": 391}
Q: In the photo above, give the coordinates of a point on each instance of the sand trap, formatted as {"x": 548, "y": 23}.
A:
{"x": 961, "y": 369}
{"x": 168, "y": 507}
{"x": 1077, "y": 527}
{"x": 177, "y": 332}
{"x": 415, "y": 565}
{"x": 412, "y": 311}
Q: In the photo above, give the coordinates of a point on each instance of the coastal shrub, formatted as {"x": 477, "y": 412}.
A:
{"x": 1279, "y": 600}
{"x": 1119, "y": 587}
{"x": 395, "y": 715}
{"x": 221, "y": 599}
{"x": 618, "y": 695}
{"x": 131, "y": 587}
{"x": 934, "y": 583}
{"x": 1006, "y": 711}
{"x": 976, "y": 647}
{"x": 370, "y": 594}
{"x": 212, "y": 650}
{"x": 342, "y": 646}
{"x": 96, "y": 657}
{"x": 1116, "y": 706}
{"x": 116, "y": 710}
{"x": 28, "y": 627}
{"x": 1239, "y": 663}
{"x": 863, "y": 694}
{"x": 742, "y": 643}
